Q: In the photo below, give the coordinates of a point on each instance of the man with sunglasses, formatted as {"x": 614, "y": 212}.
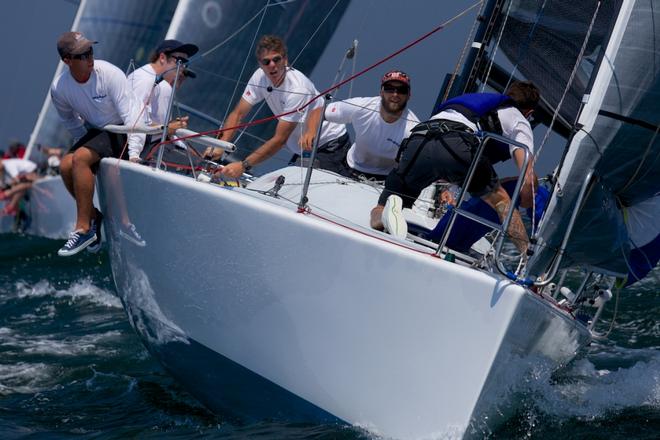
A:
{"x": 285, "y": 90}
{"x": 87, "y": 96}
{"x": 152, "y": 84}
{"x": 443, "y": 148}
{"x": 380, "y": 124}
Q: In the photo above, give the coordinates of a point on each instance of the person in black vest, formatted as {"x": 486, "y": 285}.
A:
{"x": 442, "y": 149}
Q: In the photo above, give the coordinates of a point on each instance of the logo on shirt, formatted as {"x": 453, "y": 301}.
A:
{"x": 394, "y": 142}
{"x": 248, "y": 93}
{"x": 99, "y": 98}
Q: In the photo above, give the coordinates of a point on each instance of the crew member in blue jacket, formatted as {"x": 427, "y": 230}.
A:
{"x": 443, "y": 148}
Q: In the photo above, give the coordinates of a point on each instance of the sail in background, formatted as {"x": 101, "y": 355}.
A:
{"x": 608, "y": 111}
{"x": 615, "y": 136}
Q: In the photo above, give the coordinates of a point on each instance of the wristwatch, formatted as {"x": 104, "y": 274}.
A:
{"x": 246, "y": 165}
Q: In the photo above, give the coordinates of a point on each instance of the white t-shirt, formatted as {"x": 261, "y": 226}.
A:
{"x": 15, "y": 167}
{"x": 295, "y": 91}
{"x": 142, "y": 83}
{"x": 514, "y": 125}
{"x": 106, "y": 98}
{"x": 376, "y": 141}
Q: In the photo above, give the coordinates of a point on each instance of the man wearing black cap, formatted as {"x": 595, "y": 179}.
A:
{"x": 380, "y": 123}
{"x": 152, "y": 83}
{"x": 91, "y": 94}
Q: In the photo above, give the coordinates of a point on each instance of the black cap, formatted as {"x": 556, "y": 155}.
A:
{"x": 170, "y": 46}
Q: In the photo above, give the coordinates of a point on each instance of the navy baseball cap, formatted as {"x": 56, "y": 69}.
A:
{"x": 171, "y": 46}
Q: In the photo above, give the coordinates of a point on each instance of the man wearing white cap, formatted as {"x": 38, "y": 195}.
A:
{"x": 88, "y": 96}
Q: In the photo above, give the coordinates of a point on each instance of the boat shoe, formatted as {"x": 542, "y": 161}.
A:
{"x": 393, "y": 220}
{"x": 77, "y": 241}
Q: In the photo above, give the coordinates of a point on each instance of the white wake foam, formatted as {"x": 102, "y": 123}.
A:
{"x": 81, "y": 290}
{"x": 588, "y": 392}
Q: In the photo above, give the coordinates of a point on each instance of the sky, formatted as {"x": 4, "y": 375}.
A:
{"x": 380, "y": 26}
{"x": 32, "y": 26}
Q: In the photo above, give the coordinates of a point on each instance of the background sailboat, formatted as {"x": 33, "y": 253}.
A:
{"x": 126, "y": 31}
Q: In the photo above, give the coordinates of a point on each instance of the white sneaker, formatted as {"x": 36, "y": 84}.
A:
{"x": 393, "y": 220}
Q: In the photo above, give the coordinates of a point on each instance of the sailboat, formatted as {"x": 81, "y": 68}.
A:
{"x": 127, "y": 32}
{"x": 274, "y": 299}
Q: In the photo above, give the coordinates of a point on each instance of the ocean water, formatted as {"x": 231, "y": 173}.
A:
{"x": 72, "y": 367}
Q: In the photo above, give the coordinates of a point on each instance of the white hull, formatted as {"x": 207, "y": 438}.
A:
{"x": 50, "y": 209}
{"x": 267, "y": 312}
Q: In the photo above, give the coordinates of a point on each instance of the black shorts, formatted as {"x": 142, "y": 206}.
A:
{"x": 104, "y": 143}
{"x": 445, "y": 157}
{"x": 330, "y": 156}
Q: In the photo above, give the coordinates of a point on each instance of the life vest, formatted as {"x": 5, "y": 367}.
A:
{"x": 481, "y": 109}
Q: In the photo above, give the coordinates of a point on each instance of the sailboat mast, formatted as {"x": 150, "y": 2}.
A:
{"x": 466, "y": 82}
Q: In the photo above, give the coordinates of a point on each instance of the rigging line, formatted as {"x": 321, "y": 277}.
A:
{"x": 641, "y": 162}
{"x": 229, "y": 38}
{"x": 614, "y": 312}
{"x": 245, "y": 61}
{"x": 378, "y": 111}
{"x": 316, "y": 31}
{"x": 570, "y": 78}
{"x": 333, "y": 87}
{"x": 497, "y": 46}
{"x": 469, "y": 39}
{"x": 523, "y": 47}
{"x": 309, "y": 40}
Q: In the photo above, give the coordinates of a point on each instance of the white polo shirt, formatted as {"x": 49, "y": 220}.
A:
{"x": 295, "y": 91}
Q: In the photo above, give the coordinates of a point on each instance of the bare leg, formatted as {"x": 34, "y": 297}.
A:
{"x": 66, "y": 171}
{"x": 500, "y": 201}
{"x": 83, "y": 185}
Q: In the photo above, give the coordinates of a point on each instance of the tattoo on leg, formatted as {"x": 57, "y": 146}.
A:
{"x": 516, "y": 230}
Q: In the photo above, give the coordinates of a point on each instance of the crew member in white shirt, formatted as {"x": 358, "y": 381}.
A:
{"x": 285, "y": 90}
{"x": 153, "y": 82}
{"x": 89, "y": 95}
{"x": 380, "y": 124}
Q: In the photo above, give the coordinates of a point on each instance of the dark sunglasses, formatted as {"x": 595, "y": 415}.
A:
{"x": 401, "y": 90}
{"x": 276, "y": 59}
{"x": 84, "y": 56}
{"x": 182, "y": 60}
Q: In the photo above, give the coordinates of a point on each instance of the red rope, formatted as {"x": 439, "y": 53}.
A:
{"x": 350, "y": 78}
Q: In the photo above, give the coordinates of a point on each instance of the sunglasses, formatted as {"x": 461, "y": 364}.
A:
{"x": 182, "y": 60}
{"x": 84, "y": 56}
{"x": 266, "y": 61}
{"x": 401, "y": 90}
